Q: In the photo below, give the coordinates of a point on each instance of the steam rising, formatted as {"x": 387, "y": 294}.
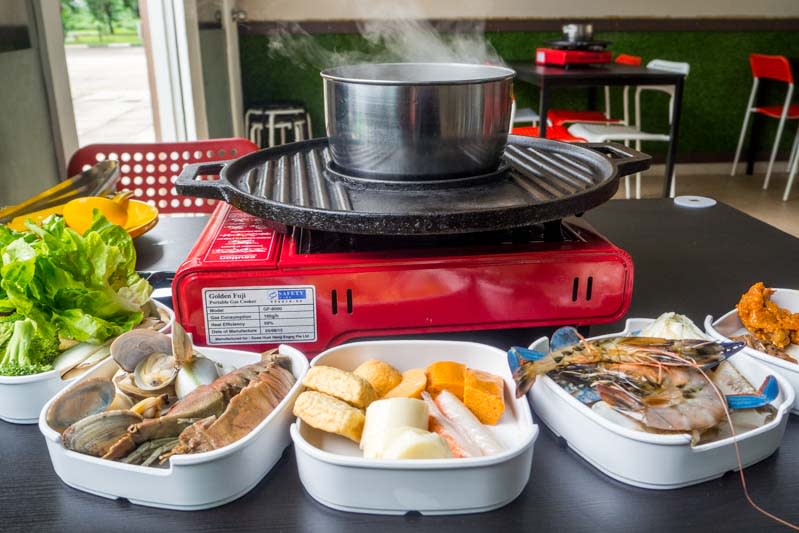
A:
{"x": 400, "y": 35}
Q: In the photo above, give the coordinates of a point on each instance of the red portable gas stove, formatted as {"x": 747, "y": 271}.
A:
{"x": 565, "y": 58}
{"x": 247, "y": 285}
{"x": 574, "y": 50}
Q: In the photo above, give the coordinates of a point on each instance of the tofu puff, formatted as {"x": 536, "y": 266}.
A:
{"x": 335, "y": 401}
{"x": 330, "y": 414}
{"x": 340, "y": 384}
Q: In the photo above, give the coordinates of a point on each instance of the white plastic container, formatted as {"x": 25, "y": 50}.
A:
{"x": 729, "y": 325}
{"x": 190, "y": 482}
{"x": 22, "y": 397}
{"x": 650, "y": 460}
{"x": 335, "y": 474}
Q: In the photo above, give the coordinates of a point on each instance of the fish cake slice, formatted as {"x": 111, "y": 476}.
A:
{"x": 330, "y": 414}
{"x": 340, "y": 384}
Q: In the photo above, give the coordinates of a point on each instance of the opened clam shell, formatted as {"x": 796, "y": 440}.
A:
{"x": 182, "y": 347}
{"x": 86, "y": 398}
{"x": 96, "y": 434}
{"x": 155, "y": 372}
{"x": 121, "y": 402}
{"x": 129, "y": 349}
{"x": 124, "y": 383}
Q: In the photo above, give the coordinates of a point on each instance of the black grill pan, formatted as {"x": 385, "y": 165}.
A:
{"x": 296, "y": 185}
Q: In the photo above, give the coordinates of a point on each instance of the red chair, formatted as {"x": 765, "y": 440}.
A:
{"x": 150, "y": 169}
{"x": 561, "y": 117}
{"x": 557, "y": 133}
{"x": 776, "y": 68}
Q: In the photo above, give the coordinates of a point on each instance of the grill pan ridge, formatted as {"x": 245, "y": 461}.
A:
{"x": 296, "y": 184}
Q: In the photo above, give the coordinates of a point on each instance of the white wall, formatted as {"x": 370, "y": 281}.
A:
{"x": 449, "y": 9}
{"x": 13, "y": 12}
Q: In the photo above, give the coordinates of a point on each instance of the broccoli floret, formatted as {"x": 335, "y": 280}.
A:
{"x": 29, "y": 350}
{"x": 7, "y": 328}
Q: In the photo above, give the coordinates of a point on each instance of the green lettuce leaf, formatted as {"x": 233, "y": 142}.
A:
{"x": 82, "y": 287}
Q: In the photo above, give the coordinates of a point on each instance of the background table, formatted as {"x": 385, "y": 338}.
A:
{"x": 692, "y": 261}
{"x": 547, "y": 78}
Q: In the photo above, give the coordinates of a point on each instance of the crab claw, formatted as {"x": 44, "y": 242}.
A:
{"x": 766, "y": 394}
{"x": 564, "y": 337}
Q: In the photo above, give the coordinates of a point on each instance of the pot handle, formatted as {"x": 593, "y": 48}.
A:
{"x": 626, "y": 160}
{"x": 187, "y": 183}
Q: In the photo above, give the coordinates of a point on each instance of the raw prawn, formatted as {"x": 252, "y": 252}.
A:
{"x": 570, "y": 348}
{"x": 692, "y": 406}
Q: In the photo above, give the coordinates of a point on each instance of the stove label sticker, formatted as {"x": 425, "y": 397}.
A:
{"x": 260, "y": 315}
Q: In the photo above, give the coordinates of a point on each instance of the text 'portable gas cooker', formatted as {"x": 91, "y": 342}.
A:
{"x": 320, "y": 258}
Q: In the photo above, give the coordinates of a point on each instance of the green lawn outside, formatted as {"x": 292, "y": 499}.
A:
{"x": 93, "y": 39}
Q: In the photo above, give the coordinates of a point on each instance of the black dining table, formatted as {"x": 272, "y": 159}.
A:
{"x": 694, "y": 261}
{"x": 548, "y": 78}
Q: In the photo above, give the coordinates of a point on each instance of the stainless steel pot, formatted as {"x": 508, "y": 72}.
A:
{"x": 578, "y": 32}
{"x": 417, "y": 121}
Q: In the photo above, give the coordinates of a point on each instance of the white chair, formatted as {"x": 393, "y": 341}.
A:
{"x": 276, "y": 120}
{"x": 562, "y": 117}
{"x": 522, "y": 115}
{"x": 633, "y": 133}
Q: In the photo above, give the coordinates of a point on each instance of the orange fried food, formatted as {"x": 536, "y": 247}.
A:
{"x": 766, "y": 320}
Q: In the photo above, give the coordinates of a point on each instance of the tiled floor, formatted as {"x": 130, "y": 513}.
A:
{"x": 742, "y": 192}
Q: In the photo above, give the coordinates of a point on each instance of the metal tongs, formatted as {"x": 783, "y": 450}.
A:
{"x": 99, "y": 180}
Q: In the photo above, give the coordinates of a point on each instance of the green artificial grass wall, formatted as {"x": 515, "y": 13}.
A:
{"x": 716, "y": 90}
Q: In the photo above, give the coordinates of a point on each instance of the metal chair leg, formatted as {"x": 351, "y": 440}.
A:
{"x": 673, "y": 191}
{"x": 743, "y": 128}
{"x": 783, "y": 116}
{"x": 627, "y": 177}
{"x": 638, "y": 175}
{"x": 271, "y": 129}
{"x": 792, "y": 169}
{"x": 794, "y": 151}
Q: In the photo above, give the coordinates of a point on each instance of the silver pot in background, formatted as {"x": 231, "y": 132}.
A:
{"x": 417, "y": 121}
{"x": 578, "y": 32}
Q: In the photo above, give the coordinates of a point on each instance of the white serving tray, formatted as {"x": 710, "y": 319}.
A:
{"x": 335, "y": 474}
{"x": 22, "y": 397}
{"x": 649, "y": 460}
{"x": 729, "y": 325}
{"x": 190, "y": 482}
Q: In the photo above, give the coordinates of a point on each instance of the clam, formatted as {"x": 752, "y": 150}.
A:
{"x": 130, "y": 348}
{"x": 96, "y": 434}
{"x": 155, "y": 372}
{"x": 121, "y": 402}
{"x": 124, "y": 383}
{"x": 195, "y": 369}
{"x": 182, "y": 347}
{"x": 87, "y": 398}
{"x": 151, "y": 407}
